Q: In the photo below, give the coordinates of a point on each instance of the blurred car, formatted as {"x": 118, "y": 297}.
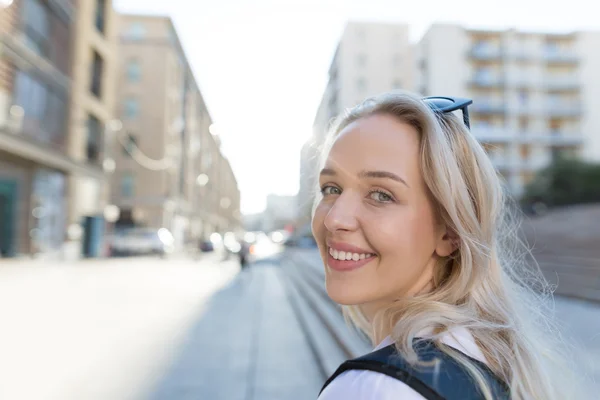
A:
{"x": 143, "y": 241}
{"x": 206, "y": 246}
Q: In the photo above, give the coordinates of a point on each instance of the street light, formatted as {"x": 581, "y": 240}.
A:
{"x": 112, "y": 213}
{"x": 202, "y": 180}
{"x": 109, "y": 165}
{"x": 111, "y": 128}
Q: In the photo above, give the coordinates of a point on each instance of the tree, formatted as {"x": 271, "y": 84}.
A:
{"x": 564, "y": 182}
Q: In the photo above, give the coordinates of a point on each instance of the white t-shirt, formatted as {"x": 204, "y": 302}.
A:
{"x": 369, "y": 385}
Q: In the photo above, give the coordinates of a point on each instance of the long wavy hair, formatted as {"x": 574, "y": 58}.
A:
{"x": 487, "y": 286}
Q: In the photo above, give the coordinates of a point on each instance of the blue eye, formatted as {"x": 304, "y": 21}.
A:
{"x": 381, "y": 197}
{"x": 330, "y": 190}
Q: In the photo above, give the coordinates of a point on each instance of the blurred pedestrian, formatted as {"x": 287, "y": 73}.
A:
{"x": 243, "y": 253}
{"x": 414, "y": 232}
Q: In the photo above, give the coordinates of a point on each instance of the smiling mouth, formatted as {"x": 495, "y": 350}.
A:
{"x": 343, "y": 261}
{"x": 348, "y": 256}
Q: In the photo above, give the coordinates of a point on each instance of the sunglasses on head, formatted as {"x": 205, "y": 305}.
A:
{"x": 448, "y": 104}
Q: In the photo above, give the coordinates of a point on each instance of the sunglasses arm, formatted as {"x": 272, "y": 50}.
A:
{"x": 466, "y": 117}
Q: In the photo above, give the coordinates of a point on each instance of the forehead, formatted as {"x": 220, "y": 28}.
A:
{"x": 378, "y": 142}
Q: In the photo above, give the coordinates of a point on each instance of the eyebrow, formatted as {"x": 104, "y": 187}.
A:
{"x": 368, "y": 174}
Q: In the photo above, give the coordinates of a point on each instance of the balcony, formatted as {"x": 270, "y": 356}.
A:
{"x": 525, "y": 109}
{"x": 487, "y": 81}
{"x": 490, "y": 134}
{"x": 570, "y": 109}
{"x": 487, "y": 107}
{"x": 566, "y": 83}
{"x": 522, "y": 55}
{"x": 486, "y": 53}
{"x": 561, "y": 57}
{"x": 534, "y": 163}
{"x": 523, "y": 82}
{"x": 559, "y": 138}
{"x": 501, "y": 163}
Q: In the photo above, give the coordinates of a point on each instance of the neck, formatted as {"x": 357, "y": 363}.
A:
{"x": 383, "y": 327}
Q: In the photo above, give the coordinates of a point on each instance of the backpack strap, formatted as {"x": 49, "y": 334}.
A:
{"x": 442, "y": 379}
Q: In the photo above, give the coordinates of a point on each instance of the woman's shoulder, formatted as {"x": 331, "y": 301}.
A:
{"x": 363, "y": 385}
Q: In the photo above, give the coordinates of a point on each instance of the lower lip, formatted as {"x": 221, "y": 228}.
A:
{"x": 347, "y": 265}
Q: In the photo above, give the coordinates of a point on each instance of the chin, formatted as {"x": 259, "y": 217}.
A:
{"x": 345, "y": 293}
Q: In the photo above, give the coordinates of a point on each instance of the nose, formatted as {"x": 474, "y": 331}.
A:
{"x": 342, "y": 216}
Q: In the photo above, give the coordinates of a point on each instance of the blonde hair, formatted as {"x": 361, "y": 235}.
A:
{"x": 486, "y": 286}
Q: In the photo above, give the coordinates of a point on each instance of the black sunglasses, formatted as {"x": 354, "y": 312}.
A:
{"x": 448, "y": 104}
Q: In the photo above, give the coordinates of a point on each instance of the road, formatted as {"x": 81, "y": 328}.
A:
{"x": 97, "y": 330}
{"x": 146, "y": 329}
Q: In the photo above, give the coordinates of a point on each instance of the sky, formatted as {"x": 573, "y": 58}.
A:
{"x": 261, "y": 65}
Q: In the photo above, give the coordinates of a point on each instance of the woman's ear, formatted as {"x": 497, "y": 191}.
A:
{"x": 448, "y": 243}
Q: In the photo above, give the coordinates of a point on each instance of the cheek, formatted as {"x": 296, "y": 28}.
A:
{"x": 405, "y": 233}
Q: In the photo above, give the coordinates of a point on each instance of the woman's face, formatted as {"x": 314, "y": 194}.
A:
{"x": 375, "y": 224}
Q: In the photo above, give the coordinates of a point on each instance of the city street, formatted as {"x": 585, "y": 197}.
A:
{"x": 97, "y": 329}
{"x": 144, "y": 328}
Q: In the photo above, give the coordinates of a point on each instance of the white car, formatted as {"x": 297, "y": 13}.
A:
{"x": 142, "y": 241}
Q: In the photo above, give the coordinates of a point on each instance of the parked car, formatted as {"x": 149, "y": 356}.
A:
{"x": 206, "y": 246}
{"x": 142, "y": 241}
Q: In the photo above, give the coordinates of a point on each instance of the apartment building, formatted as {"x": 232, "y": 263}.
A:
{"x": 370, "y": 58}
{"x": 170, "y": 171}
{"x": 535, "y": 93}
{"x": 47, "y": 78}
{"x": 92, "y": 114}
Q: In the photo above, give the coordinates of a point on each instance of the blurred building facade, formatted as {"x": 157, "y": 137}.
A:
{"x": 370, "y": 58}
{"x": 280, "y": 212}
{"x": 535, "y": 93}
{"x": 170, "y": 171}
{"x": 44, "y": 47}
{"x": 92, "y": 113}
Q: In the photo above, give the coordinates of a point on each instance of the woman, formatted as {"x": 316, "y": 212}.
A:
{"x": 411, "y": 225}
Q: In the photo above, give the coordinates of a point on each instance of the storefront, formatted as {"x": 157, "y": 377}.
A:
{"x": 49, "y": 217}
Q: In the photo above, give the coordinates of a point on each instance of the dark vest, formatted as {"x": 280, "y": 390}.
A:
{"x": 444, "y": 380}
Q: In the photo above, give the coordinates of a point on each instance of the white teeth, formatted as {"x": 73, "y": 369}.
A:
{"x": 347, "y": 256}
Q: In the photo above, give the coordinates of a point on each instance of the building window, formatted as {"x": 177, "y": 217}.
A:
{"x": 131, "y": 145}
{"x": 132, "y": 108}
{"x": 134, "y": 71}
{"x": 94, "y": 139}
{"x": 136, "y": 31}
{"x": 127, "y": 183}
{"x": 36, "y": 21}
{"x": 100, "y": 15}
{"x": 45, "y": 33}
{"x": 97, "y": 70}
{"x": 44, "y": 109}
